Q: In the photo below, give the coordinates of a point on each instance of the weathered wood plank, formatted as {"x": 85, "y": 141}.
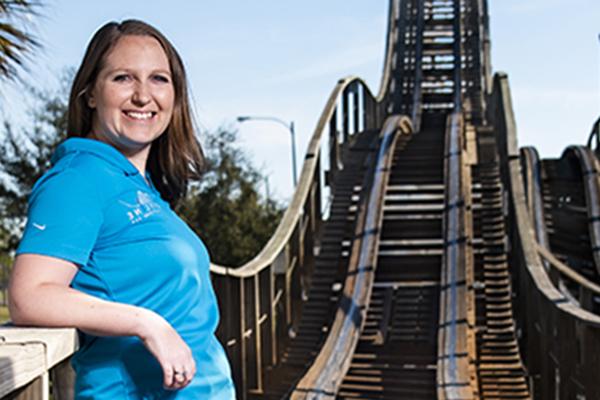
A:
{"x": 28, "y": 353}
{"x": 20, "y": 364}
{"x": 60, "y": 342}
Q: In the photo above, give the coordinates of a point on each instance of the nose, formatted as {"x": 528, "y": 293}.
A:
{"x": 141, "y": 95}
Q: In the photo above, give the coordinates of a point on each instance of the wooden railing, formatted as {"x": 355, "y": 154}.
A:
{"x": 560, "y": 340}
{"x": 30, "y": 357}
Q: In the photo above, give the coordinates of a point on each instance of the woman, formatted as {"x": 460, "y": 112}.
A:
{"x": 103, "y": 251}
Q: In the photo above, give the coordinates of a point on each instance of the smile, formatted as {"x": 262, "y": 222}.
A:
{"x": 140, "y": 116}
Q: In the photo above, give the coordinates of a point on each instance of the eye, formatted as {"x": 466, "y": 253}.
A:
{"x": 161, "y": 78}
{"x": 121, "y": 78}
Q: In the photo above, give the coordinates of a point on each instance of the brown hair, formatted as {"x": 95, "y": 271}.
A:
{"x": 176, "y": 155}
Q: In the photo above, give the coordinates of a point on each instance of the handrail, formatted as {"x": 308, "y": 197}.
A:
{"x": 28, "y": 355}
{"x": 456, "y": 299}
{"x": 391, "y": 39}
{"x": 567, "y": 271}
{"x": 533, "y": 192}
{"x": 530, "y": 166}
{"x": 324, "y": 377}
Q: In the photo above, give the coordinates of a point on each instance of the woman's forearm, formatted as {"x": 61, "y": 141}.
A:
{"x": 54, "y": 305}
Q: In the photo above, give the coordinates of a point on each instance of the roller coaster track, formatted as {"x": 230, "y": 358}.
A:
{"x": 381, "y": 301}
{"x": 554, "y": 301}
{"x": 445, "y": 264}
{"x": 419, "y": 280}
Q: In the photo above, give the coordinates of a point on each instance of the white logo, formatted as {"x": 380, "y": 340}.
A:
{"x": 40, "y": 227}
{"x": 144, "y": 207}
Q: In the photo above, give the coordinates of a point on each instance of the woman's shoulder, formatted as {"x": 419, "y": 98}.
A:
{"x": 74, "y": 174}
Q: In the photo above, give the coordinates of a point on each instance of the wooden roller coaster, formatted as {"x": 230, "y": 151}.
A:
{"x": 445, "y": 263}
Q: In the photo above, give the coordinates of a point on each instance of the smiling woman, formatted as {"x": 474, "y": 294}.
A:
{"x": 103, "y": 250}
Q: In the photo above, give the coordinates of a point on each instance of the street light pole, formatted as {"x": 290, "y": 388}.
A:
{"x": 290, "y": 127}
{"x": 293, "y": 133}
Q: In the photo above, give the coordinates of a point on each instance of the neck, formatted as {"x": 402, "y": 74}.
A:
{"x": 139, "y": 160}
{"x": 138, "y": 156}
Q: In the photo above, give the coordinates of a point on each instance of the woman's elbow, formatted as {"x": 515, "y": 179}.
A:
{"x": 18, "y": 309}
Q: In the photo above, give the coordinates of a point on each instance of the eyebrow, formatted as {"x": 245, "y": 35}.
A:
{"x": 162, "y": 71}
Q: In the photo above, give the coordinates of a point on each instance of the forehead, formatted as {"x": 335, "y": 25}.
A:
{"x": 137, "y": 51}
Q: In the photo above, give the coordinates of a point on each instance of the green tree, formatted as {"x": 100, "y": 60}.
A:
{"x": 226, "y": 209}
{"x": 24, "y": 156}
{"x": 15, "y": 41}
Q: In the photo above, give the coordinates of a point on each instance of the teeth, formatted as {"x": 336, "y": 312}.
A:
{"x": 139, "y": 115}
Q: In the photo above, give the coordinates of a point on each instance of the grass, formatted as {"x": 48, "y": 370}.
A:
{"x": 3, "y": 314}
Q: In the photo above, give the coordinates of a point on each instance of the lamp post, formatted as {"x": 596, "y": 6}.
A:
{"x": 289, "y": 126}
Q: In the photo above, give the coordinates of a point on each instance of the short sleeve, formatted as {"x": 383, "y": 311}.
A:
{"x": 64, "y": 217}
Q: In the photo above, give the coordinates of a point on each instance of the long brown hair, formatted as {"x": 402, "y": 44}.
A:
{"x": 176, "y": 156}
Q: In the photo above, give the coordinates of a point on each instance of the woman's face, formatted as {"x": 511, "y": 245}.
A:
{"x": 133, "y": 96}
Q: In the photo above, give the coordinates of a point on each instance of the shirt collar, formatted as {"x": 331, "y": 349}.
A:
{"x": 96, "y": 148}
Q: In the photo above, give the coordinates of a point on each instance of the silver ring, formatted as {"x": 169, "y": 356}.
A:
{"x": 179, "y": 373}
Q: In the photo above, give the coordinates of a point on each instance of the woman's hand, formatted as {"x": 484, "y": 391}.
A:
{"x": 173, "y": 354}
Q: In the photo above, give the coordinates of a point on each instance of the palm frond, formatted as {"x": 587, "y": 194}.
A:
{"x": 15, "y": 40}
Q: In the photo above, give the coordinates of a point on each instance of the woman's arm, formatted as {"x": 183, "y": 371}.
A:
{"x": 39, "y": 295}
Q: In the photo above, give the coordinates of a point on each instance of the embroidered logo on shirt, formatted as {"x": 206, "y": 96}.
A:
{"x": 38, "y": 226}
{"x": 141, "y": 210}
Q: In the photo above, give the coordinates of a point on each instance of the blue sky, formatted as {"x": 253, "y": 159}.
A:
{"x": 282, "y": 59}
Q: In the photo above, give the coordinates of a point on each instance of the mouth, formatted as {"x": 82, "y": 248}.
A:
{"x": 140, "y": 115}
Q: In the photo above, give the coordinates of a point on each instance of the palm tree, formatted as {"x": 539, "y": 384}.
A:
{"x": 15, "y": 41}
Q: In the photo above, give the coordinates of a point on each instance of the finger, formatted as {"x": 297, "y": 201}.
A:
{"x": 168, "y": 377}
{"x": 189, "y": 376}
{"x": 179, "y": 376}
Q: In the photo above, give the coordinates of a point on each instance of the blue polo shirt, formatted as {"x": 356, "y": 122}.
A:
{"x": 93, "y": 208}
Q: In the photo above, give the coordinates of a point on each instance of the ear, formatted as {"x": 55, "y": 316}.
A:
{"x": 90, "y": 97}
